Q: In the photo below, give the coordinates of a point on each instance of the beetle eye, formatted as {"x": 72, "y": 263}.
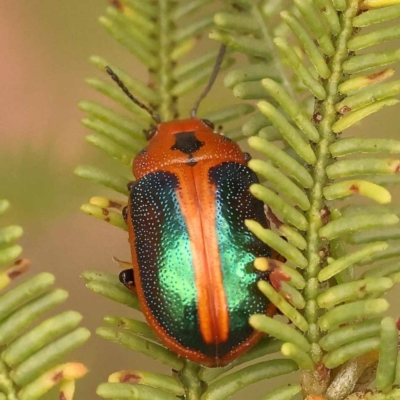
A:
{"x": 208, "y": 123}
{"x": 150, "y": 133}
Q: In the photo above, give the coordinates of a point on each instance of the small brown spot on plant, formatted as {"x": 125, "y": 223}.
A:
{"x": 14, "y": 274}
{"x": 377, "y": 76}
{"x": 237, "y": 7}
{"x": 325, "y": 215}
{"x": 344, "y": 110}
{"x": 117, "y": 4}
{"x": 62, "y": 396}
{"x": 354, "y": 188}
{"x": 317, "y": 117}
{"x": 58, "y": 376}
{"x": 130, "y": 377}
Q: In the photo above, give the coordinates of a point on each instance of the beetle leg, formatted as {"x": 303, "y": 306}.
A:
{"x": 125, "y": 214}
{"x": 131, "y": 184}
{"x": 247, "y": 157}
{"x": 126, "y": 278}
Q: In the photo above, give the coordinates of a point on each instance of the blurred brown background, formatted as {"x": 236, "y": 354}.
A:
{"x": 45, "y": 45}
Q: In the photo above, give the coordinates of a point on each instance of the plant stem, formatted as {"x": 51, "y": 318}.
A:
{"x": 6, "y": 384}
{"x": 329, "y": 116}
{"x": 191, "y": 381}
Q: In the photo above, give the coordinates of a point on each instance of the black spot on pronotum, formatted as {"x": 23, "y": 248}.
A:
{"x": 187, "y": 143}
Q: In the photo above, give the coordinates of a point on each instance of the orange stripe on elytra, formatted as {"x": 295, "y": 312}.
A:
{"x": 197, "y": 204}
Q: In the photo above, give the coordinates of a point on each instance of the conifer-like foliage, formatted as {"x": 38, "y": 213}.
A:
{"x": 30, "y": 355}
{"x": 314, "y": 72}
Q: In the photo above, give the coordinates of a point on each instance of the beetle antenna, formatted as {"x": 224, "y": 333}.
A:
{"x": 214, "y": 75}
{"x": 121, "y": 84}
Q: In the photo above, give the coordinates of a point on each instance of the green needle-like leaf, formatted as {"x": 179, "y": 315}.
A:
{"x": 279, "y": 330}
{"x": 349, "y": 312}
{"x": 386, "y": 372}
{"x": 350, "y": 351}
{"x": 38, "y": 363}
{"x": 141, "y": 345}
{"x": 348, "y": 260}
{"x": 132, "y": 392}
{"x": 227, "y": 386}
{"x": 351, "y": 333}
{"x": 285, "y": 393}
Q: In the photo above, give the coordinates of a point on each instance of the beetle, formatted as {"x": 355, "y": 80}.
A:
{"x": 192, "y": 254}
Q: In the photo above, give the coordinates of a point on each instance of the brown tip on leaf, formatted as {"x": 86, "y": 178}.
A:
{"x": 117, "y": 4}
{"x": 398, "y": 324}
{"x": 62, "y": 396}
{"x": 130, "y": 378}
{"x": 58, "y": 376}
{"x": 238, "y": 7}
{"x": 354, "y": 189}
{"x": 14, "y": 273}
{"x": 20, "y": 266}
{"x": 344, "y": 110}
{"x": 362, "y": 7}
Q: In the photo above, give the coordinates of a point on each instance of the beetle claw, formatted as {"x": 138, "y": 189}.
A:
{"x": 122, "y": 264}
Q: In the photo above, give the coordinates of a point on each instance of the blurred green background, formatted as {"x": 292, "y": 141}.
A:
{"x": 45, "y": 47}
